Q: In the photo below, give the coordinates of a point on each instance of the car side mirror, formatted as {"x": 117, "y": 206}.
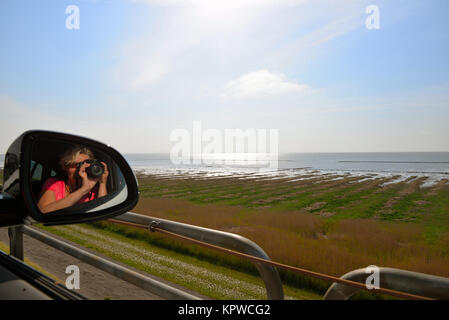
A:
{"x": 57, "y": 178}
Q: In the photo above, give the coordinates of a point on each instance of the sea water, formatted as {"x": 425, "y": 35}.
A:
{"x": 433, "y": 165}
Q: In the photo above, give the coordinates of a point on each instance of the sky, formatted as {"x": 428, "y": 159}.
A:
{"x": 135, "y": 71}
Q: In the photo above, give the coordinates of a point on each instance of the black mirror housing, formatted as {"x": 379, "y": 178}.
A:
{"x": 18, "y": 203}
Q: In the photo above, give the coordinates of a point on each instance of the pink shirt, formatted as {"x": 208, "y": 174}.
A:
{"x": 58, "y": 187}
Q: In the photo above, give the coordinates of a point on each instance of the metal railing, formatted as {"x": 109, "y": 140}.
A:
{"x": 402, "y": 283}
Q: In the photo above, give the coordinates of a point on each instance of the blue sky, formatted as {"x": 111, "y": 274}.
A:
{"x": 137, "y": 70}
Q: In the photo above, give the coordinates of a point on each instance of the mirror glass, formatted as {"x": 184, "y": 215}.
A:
{"x": 68, "y": 178}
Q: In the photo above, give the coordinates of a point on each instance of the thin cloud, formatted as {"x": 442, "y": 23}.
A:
{"x": 141, "y": 72}
{"x": 221, "y": 3}
{"x": 134, "y": 137}
{"x": 262, "y": 83}
{"x": 174, "y": 41}
{"x": 334, "y": 29}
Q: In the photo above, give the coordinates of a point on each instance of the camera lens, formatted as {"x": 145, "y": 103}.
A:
{"x": 95, "y": 170}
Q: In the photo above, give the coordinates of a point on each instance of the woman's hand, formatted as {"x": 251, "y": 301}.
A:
{"x": 104, "y": 176}
{"x": 87, "y": 182}
{"x": 102, "y": 190}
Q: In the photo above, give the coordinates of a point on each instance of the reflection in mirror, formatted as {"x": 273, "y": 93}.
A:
{"x": 68, "y": 178}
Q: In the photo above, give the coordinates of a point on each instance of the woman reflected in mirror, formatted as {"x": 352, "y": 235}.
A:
{"x": 75, "y": 186}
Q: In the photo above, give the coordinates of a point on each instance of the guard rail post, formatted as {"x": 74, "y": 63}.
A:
{"x": 16, "y": 242}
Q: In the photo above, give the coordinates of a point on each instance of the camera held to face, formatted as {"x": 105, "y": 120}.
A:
{"x": 95, "y": 170}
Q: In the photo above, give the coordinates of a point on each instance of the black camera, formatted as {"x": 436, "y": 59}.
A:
{"x": 95, "y": 170}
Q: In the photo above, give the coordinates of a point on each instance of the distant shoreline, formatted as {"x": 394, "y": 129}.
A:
{"x": 380, "y": 161}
